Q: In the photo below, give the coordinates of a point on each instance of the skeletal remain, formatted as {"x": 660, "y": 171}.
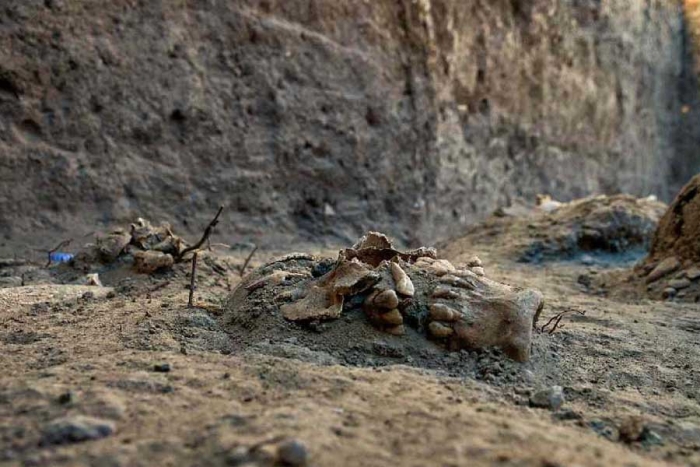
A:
{"x": 479, "y": 271}
{"x": 324, "y": 297}
{"x": 459, "y": 307}
{"x": 112, "y": 245}
{"x": 404, "y": 285}
{"x": 147, "y": 262}
{"x": 93, "y": 279}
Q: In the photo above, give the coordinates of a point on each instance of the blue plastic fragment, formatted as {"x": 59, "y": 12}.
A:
{"x": 58, "y": 257}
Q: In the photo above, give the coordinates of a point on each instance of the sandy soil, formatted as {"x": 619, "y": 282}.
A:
{"x": 626, "y": 367}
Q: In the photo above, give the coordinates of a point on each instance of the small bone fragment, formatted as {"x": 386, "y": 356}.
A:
{"x": 393, "y": 317}
{"x": 276, "y": 277}
{"x": 316, "y": 305}
{"x": 442, "y": 312}
{"x": 396, "y": 330}
{"x": 444, "y": 292}
{"x": 404, "y": 286}
{"x": 93, "y": 279}
{"x": 457, "y": 282}
{"x": 147, "y": 262}
{"x": 386, "y": 299}
{"x": 441, "y": 267}
{"x": 439, "y": 330}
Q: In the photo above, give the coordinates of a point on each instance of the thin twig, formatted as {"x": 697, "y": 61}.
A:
{"x": 205, "y": 236}
{"x": 190, "y": 303}
{"x": 64, "y": 243}
{"x": 156, "y": 288}
{"x": 245, "y": 265}
{"x": 557, "y": 319}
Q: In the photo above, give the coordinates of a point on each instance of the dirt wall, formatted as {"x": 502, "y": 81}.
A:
{"x": 324, "y": 118}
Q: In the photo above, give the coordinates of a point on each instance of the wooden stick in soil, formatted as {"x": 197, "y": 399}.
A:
{"x": 205, "y": 236}
{"x": 193, "y": 282}
{"x": 245, "y": 265}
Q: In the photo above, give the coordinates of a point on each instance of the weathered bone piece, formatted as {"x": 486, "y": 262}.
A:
{"x": 459, "y": 307}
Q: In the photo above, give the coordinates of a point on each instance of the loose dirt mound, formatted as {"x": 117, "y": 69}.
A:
{"x": 375, "y": 301}
{"x": 679, "y": 228}
{"x": 590, "y": 229}
{"x": 672, "y": 269}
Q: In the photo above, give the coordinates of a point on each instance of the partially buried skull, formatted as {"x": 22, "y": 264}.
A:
{"x": 459, "y": 307}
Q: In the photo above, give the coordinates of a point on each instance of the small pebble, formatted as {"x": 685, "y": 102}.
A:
{"x": 292, "y": 453}
{"x": 651, "y": 438}
{"x": 631, "y": 429}
{"x": 162, "y": 368}
{"x": 679, "y": 284}
{"x": 669, "y": 293}
{"x": 66, "y": 398}
{"x": 693, "y": 273}
{"x": 479, "y": 271}
{"x": 474, "y": 262}
{"x": 664, "y": 268}
{"x": 76, "y": 429}
{"x": 551, "y": 398}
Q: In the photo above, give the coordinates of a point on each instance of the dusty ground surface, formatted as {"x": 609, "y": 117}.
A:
{"x": 628, "y": 370}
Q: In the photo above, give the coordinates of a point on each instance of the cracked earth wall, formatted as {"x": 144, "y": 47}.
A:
{"x": 325, "y": 118}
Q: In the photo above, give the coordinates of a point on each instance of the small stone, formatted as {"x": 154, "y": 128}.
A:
{"x": 239, "y": 456}
{"x": 587, "y": 260}
{"x": 76, "y": 429}
{"x": 664, "y": 268}
{"x": 87, "y": 296}
{"x": 474, "y": 262}
{"x": 399, "y": 330}
{"x": 66, "y": 398}
{"x": 651, "y": 438}
{"x": 679, "y": 284}
{"x": 528, "y": 376}
{"x": 162, "y": 368}
{"x": 551, "y": 398}
{"x": 292, "y": 453}
{"x": 669, "y": 293}
{"x": 568, "y": 414}
{"x": 585, "y": 280}
{"x": 693, "y": 273}
{"x": 328, "y": 210}
{"x": 631, "y": 429}
{"x": 479, "y": 271}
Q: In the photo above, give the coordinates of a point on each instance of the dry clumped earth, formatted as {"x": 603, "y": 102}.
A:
{"x": 126, "y": 374}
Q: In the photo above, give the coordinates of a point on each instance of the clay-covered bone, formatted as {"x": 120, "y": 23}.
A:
{"x": 458, "y": 307}
{"x": 482, "y": 313}
{"x": 323, "y": 298}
